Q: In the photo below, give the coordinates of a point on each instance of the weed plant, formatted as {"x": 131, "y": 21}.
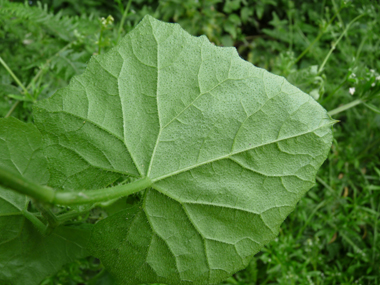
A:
{"x": 329, "y": 49}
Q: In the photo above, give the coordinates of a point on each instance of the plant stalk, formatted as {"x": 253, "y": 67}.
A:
{"x": 316, "y": 39}
{"x": 14, "y": 106}
{"x": 50, "y": 217}
{"x": 345, "y": 107}
{"x": 35, "y": 221}
{"x": 337, "y": 42}
{"x": 51, "y": 196}
{"x": 22, "y": 185}
{"x": 46, "y": 64}
{"x": 100, "y": 39}
{"x": 101, "y": 195}
{"x": 14, "y": 76}
{"x": 70, "y": 215}
{"x": 123, "y": 19}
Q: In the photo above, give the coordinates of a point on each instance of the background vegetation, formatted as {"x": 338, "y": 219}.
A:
{"x": 329, "y": 49}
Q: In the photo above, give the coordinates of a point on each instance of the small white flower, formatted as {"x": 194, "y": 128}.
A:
{"x": 373, "y": 84}
{"x": 378, "y": 77}
{"x": 352, "y": 90}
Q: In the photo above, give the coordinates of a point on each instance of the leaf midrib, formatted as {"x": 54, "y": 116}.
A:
{"x": 234, "y": 153}
{"x": 184, "y": 109}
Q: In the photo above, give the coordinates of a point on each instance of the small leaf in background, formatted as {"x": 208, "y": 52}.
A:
{"x": 231, "y": 5}
{"x": 245, "y": 13}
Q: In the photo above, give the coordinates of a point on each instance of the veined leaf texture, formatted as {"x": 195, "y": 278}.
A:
{"x": 230, "y": 149}
{"x": 26, "y": 256}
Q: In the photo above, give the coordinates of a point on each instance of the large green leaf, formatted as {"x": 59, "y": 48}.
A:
{"x": 26, "y": 256}
{"x": 230, "y": 150}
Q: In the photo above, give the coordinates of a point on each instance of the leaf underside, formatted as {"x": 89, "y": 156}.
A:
{"x": 229, "y": 147}
{"x": 26, "y": 256}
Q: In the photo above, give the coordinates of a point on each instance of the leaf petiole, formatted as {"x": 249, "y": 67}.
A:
{"x": 35, "y": 221}
{"x": 70, "y": 215}
{"x": 50, "y": 217}
{"x": 18, "y": 183}
{"x": 49, "y": 195}
{"x": 101, "y": 195}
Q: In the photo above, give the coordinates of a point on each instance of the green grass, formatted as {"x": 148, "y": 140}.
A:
{"x": 325, "y": 48}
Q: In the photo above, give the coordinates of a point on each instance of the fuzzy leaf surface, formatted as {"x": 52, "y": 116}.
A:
{"x": 26, "y": 256}
{"x": 229, "y": 147}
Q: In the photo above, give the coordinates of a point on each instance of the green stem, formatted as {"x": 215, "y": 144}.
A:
{"x": 14, "y": 106}
{"x": 39, "y": 73}
{"x": 316, "y": 39}
{"x": 345, "y": 107}
{"x": 123, "y": 19}
{"x": 337, "y": 42}
{"x": 101, "y": 195}
{"x": 320, "y": 180}
{"x": 13, "y": 75}
{"x": 70, "y": 215}
{"x": 320, "y": 205}
{"x": 49, "y": 195}
{"x": 43, "y": 68}
{"x": 35, "y": 221}
{"x": 100, "y": 39}
{"x": 22, "y": 185}
{"x": 327, "y": 98}
{"x": 50, "y": 217}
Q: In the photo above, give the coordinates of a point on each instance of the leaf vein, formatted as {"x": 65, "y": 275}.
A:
{"x": 234, "y": 153}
